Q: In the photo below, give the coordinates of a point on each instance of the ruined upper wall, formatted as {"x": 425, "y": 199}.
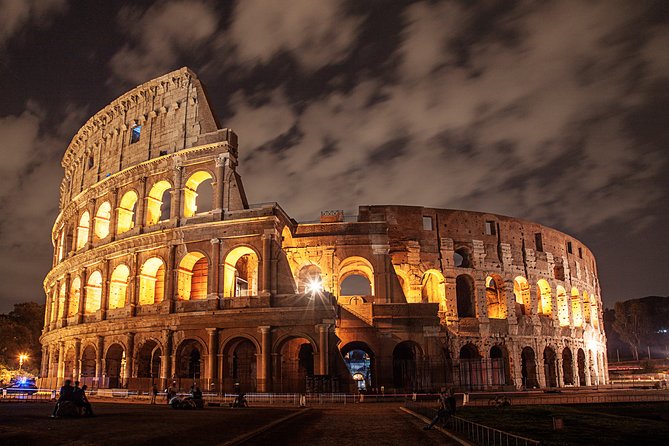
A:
{"x": 168, "y": 114}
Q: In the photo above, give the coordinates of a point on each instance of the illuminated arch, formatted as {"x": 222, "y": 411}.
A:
{"x": 125, "y": 219}
{"x": 521, "y": 290}
{"x": 562, "y": 306}
{"x": 586, "y": 308}
{"x": 158, "y": 203}
{"x": 93, "y": 293}
{"x": 118, "y": 287}
{"x": 82, "y": 229}
{"x": 405, "y": 283}
{"x": 576, "y": 310}
{"x": 495, "y": 299}
{"x": 433, "y": 288}
{"x": 309, "y": 278}
{"x": 191, "y": 204}
{"x": 102, "y": 219}
{"x": 152, "y": 281}
{"x": 192, "y": 276}
{"x": 286, "y": 237}
{"x": 75, "y": 295}
{"x": 594, "y": 312}
{"x": 356, "y": 266}
{"x": 241, "y": 273}
{"x": 544, "y": 294}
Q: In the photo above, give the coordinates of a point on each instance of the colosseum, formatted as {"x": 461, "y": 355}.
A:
{"x": 163, "y": 271}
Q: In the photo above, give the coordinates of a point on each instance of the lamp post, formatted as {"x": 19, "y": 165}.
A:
{"x": 22, "y": 357}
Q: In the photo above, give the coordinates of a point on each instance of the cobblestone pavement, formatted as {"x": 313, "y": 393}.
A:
{"x": 376, "y": 424}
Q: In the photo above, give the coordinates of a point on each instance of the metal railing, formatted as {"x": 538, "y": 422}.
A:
{"x": 39, "y": 395}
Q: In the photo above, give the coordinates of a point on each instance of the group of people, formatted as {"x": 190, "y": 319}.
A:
{"x": 72, "y": 395}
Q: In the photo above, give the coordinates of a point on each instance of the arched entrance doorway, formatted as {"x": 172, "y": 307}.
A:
{"x": 567, "y": 367}
{"x": 240, "y": 365}
{"x": 295, "y": 366}
{"x": 528, "y": 368}
{"x": 550, "y": 367}
{"x": 359, "y": 360}
{"x": 87, "y": 375}
{"x": 70, "y": 365}
{"x": 114, "y": 365}
{"x": 499, "y": 370}
{"x": 471, "y": 368}
{"x": 580, "y": 358}
{"x": 405, "y": 370}
{"x": 148, "y": 364}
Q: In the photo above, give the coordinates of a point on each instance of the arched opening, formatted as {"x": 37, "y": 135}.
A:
{"x": 158, "y": 203}
{"x": 198, "y": 196}
{"x": 88, "y": 365}
{"x": 241, "y": 273}
{"x": 494, "y": 293}
{"x": 362, "y": 273}
{"x": 433, "y": 288}
{"x": 576, "y": 311}
{"x": 93, "y": 293}
{"x": 462, "y": 258}
{"x": 567, "y": 367}
{"x": 359, "y": 360}
{"x": 192, "y": 276}
{"x": 464, "y": 291}
{"x": 550, "y": 367}
{"x": 118, "y": 287}
{"x": 521, "y": 289}
{"x": 69, "y": 365}
{"x": 586, "y": 308}
{"x": 148, "y": 361}
{"x": 102, "y": 219}
{"x": 405, "y": 366}
{"x": 240, "y": 356}
{"x": 594, "y": 313}
{"x": 75, "y": 295}
{"x": 309, "y": 279}
{"x": 61, "y": 301}
{"x": 190, "y": 359}
{"x": 563, "y": 306}
{"x": 580, "y": 360}
{"x": 296, "y": 366}
{"x": 545, "y": 297}
{"x": 404, "y": 282}
{"x": 471, "y": 368}
{"x": 528, "y": 368}
{"x": 82, "y": 230}
{"x": 125, "y": 219}
{"x": 152, "y": 282}
{"x": 114, "y": 365}
{"x": 499, "y": 367}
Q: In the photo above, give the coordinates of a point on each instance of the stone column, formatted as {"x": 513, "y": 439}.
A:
{"x": 219, "y": 192}
{"x": 212, "y": 363}
{"x": 132, "y": 293}
{"x": 91, "y": 224}
{"x": 49, "y": 365}
{"x": 171, "y": 279}
{"x": 323, "y": 348}
{"x": 43, "y": 372}
{"x": 61, "y": 363}
{"x": 165, "y": 370}
{"x": 212, "y": 283}
{"x": 76, "y": 372}
{"x": 104, "y": 297}
{"x": 558, "y": 365}
{"x": 82, "y": 296}
{"x": 574, "y": 367}
{"x": 141, "y": 204}
{"x": 99, "y": 366}
{"x": 53, "y": 323}
{"x": 114, "y": 214}
{"x": 129, "y": 354}
{"x": 177, "y": 193}
{"x": 264, "y": 374}
{"x": 266, "y": 257}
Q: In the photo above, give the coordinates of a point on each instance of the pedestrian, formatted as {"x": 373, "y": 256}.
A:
{"x": 171, "y": 391}
{"x": 446, "y": 408}
{"x": 66, "y": 394}
{"x": 154, "y": 394}
{"x": 81, "y": 401}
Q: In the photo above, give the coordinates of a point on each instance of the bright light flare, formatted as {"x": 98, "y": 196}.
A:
{"x": 314, "y": 286}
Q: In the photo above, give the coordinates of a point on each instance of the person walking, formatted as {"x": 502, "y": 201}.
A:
{"x": 154, "y": 394}
{"x": 445, "y": 409}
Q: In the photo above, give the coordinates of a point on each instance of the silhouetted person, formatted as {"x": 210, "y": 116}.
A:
{"x": 445, "y": 410}
{"x": 81, "y": 401}
{"x": 171, "y": 391}
{"x": 66, "y": 394}
{"x": 154, "y": 394}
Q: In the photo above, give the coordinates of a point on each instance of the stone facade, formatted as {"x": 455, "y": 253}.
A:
{"x": 162, "y": 271}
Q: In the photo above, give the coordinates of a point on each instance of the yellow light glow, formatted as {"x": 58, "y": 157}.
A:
{"x": 314, "y": 286}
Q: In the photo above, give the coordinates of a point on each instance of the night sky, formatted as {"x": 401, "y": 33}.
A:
{"x": 553, "y": 111}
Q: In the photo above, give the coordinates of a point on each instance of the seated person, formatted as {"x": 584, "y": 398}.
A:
{"x": 66, "y": 394}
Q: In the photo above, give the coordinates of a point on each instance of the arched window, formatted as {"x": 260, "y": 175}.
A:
{"x": 464, "y": 290}
{"x": 241, "y": 273}
{"x": 462, "y": 258}
{"x": 158, "y": 203}
{"x": 521, "y": 289}
{"x": 118, "y": 287}
{"x": 472, "y": 375}
{"x": 102, "y": 219}
{"x": 494, "y": 291}
{"x": 198, "y": 194}
{"x": 152, "y": 281}
{"x": 562, "y": 306}
{"x": 362, "y": 284}
{"x": 93, "y": 293}
{"x": 433, "y": 288}
{"x": 576, "y": 311}
{"x": 545, "y": 298}
{"x": 75, "y": 295}
{"x": 192, "y": 276}
{"x": 309, "y": 279}
{"x": 82, "y": 229}
{"x": 125, "y": 219}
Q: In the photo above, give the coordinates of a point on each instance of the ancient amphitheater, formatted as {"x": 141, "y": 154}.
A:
{"x": 163, "y": 271}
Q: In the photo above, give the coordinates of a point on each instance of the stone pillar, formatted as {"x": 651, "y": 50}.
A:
{"x": 49, "y": 365}
{"x": 574, "y": 367}
{"x": 129, "y": 354}
{"x": 82, "y": 295}
{"x": 61, "y": 364}
{"x": 99, "y": 366}
{"x": 141, "y": 204}
{"x": 47, "y": 309}
{"x": 212, "y": 359}
{"x": 43, "y": 371}
{"x": 266, "y": 257}
{"x": 114, "y": 214}
{"x": 212, "y": 283}
{"x": 66, "y": 299}
{"x": 165, "y": 363}
{"x": 588, "y": 378}
{"x": 560, "y": 378}
{"x": 264, "y": 373}
{"x": 177, "y": 193}
{"x": 132, "y": 293}
{"x": 323, "y": 348}
{"x": 91, "y": 224}
{"x": 219, "y": 192}
{"x": 76, "y": 372}
{"x": 171, "y": 279}
{"x": 104, "y": 298}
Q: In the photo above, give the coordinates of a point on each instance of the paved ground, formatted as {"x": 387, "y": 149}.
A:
{"x": 28, "y": 423}
{"x": 375, "y": 424}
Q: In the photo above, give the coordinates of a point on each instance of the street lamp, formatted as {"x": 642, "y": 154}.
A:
{"x": 22, "y": 357}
